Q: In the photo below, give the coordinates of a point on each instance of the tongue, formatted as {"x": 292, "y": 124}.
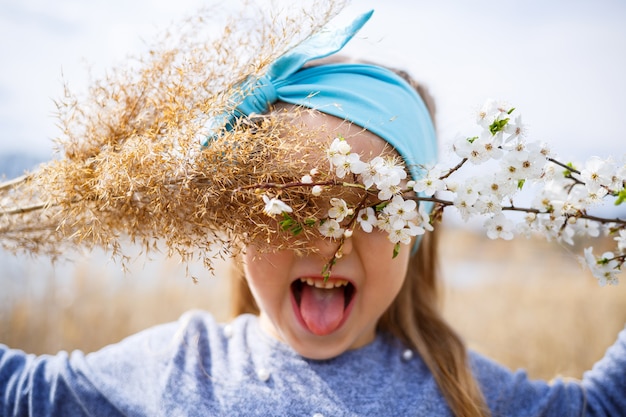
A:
{"x": 322, "y": 309}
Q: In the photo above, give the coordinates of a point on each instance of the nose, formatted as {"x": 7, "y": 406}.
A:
{"x": 328, "y": 248}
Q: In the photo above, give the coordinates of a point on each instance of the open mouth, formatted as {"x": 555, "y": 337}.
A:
{"x": 322, "y": 306}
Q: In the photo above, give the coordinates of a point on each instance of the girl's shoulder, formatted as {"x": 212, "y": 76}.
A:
{"x": 196, "y": 331}
{"x": 198, "y": 324}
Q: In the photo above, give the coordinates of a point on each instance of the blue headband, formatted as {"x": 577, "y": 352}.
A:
{"x": 369, "y": 96}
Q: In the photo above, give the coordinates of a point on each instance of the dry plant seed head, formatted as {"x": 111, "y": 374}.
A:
{"x": 130, "y": 165}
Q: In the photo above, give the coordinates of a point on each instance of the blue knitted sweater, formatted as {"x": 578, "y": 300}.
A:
{"x": 197, "y": 367}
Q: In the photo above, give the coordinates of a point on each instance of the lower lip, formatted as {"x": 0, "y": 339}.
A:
{"x": 296, "y": 310}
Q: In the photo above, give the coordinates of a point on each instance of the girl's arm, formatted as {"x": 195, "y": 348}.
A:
{"x": 605, "y": 384}
{"x": 49, "y": 386}
{"x": 602, "y": 392}
{"x": 119, "y": 380}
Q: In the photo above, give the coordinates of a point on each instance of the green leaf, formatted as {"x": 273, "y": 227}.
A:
{"x": 511, "y": 111}
{"x": 603, "y": 261}
{"x": 396, "y": 250}
{"x": 520, "y": 183}
{"x": 287, "y": 222}
{"x": 472, "y": 139}
{"x": 327, "y": 268}
{"x": 498, "y": 125}
{"x": 621, "y": 197}
{"x": 568, "y": 172}
{"x": 380, "y": 206}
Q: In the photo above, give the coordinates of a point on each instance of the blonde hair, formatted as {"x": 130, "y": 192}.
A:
{"x": 414, "y": 316}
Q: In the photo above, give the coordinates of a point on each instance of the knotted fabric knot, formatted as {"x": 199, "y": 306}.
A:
{"x": 257, "y": 96}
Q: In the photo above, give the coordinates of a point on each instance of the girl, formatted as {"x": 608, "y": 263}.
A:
{"x": 366, "y": 340}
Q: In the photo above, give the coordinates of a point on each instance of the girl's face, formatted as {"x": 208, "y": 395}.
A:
{"x": 321, "y": 323}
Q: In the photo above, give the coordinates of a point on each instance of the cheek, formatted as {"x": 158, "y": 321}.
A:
{"x": 377, "y": 255}
{"x": 266, "y": 273}
{"x": 374, "y": 245}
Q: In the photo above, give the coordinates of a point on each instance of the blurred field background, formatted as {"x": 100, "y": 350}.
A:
{"x": 525, "y": 303}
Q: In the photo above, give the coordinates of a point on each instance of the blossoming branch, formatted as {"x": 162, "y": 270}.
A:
{"x": 561, "y": 208}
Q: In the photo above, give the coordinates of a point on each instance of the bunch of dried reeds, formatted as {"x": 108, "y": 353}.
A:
{"x": 130, "y": 164}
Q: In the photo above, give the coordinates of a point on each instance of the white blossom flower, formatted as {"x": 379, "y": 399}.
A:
{"x": 383, "y": 172}
{"x": 485, "y": 115}
{"x": 383, "y": 223}
{"x": 337, "y": 150}
{"x": 478, "y": 150}
{"x": 497, "y": 186}
{"x": 604, "y": 268}
{"x": 331, "y": 228}
{"x": 466, "y": 196}
{"x": 371, "y": 170}
{"x": 597, "y": 173}
{"x": 489, "y": 203}
{"x": 405, "y": 234}
{"x": 400, "y": 236}
{"x": 524, "y": 161}
{"x": 387, "y": 189}
{"x": 430, "y": 183}
{"x": 275, "y": 206}
{"x": 585, "y": 227}
{"x": 552, "y": 227}
{"x": 339, "y": 209}
{"x": 515, "y": 130}
{"x": 424, "y": 218}
{"x": 339, "y": 146}
{"x": 400, "y": 211}
{"x": 465, "y": 207}
{"x": 621, "y": 240}
{"x": 596, "y": 197}
{"x": 551, "y": 171}
{"x": 349, "y": 164}
{"x": 551, "y": 197}
{"x": 395, "y": 172}
{"x": 367, "y": 219}
{"x": 489, "y": 148}
{"x": 491, "y": 111}
{"x": 306, "y": 179}
{"x": 463, "y": 147}
{"x": 590, "y": 259}
{"x": 526, "y": 227}
{"x": 619, "y": 177}
{"x": 317, "y": 190}
{"x": 451, "y": 185}
{"x": 499, "y": 226}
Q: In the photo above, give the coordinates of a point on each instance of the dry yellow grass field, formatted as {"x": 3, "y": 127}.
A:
{"x": 536, "y": 307}
{"x": 525, "y": 303}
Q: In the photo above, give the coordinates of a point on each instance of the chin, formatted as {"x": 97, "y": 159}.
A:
{"x": 327, "y": 347}
{"x": 320, "y": 352}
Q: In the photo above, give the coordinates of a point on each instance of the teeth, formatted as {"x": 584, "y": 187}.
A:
{"x": 330, "y": 284}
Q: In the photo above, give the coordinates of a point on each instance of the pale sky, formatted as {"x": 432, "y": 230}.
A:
{"x": 561, "y": 63}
